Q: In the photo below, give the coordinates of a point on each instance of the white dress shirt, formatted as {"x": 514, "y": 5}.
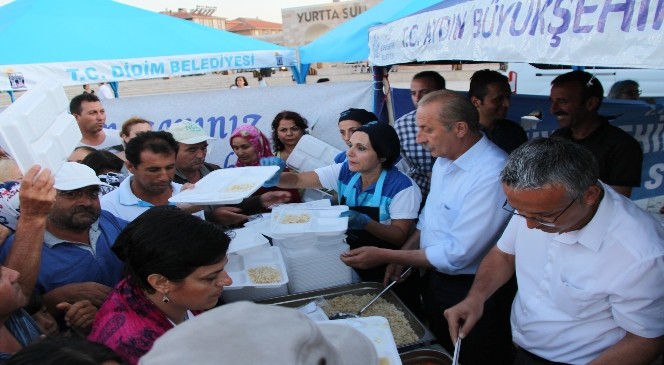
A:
{"x": 579, "y": 292}
{"x": 463, "y": 216}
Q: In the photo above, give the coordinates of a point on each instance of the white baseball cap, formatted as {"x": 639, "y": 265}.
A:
{"x": 188, "y": 132}
{"x": 74, "y": 175}
{"x": 250, "y": 333}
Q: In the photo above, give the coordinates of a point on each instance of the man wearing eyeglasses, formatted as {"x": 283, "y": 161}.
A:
{"x": 575, "y": 100}
{"x": 77, "y": 263}
{"x": 589, "y": 263}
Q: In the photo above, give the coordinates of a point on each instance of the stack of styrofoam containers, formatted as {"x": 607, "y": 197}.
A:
{"x": 37, "y": 128}
{"x": 313, "y": 262}
{"x": 250, "y": 249}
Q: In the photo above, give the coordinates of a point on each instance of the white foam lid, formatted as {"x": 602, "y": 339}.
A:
{"x": 226, "y": 186}
{"x": 311, "y": 153}
{"x": 38, "y": 129}
{"x": 377, "y": 329}
{"x": 246, "y": 239}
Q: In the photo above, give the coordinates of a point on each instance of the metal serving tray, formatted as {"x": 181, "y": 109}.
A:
{"x": 300, "y": 299}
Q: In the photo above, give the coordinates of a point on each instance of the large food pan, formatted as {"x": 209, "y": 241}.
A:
{"x": 427, "y": 356}
{"x": 300, "y": 299}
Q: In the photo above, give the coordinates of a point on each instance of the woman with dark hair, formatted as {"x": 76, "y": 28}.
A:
{"x": 70, "y": 351}
{"x": 174, "y": 263}
{"x": 383, "y": 202}
{"x": 107, "y": 167}
{"x": 240, "y": 83}
{"x": 287, "y": 129}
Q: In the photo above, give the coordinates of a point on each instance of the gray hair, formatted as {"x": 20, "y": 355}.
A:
{"x": 621, "y": 86}
{"x": 544, "y": 162}
{"x": 454, "y": 107}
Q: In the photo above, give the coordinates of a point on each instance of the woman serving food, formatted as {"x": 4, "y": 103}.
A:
{"x": 383, "y": 201}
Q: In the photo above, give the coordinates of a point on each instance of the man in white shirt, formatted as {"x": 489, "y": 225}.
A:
{"x": 151, "y": 161}
{"x": 461, "y": 219}
{"x": 105, "y": 91}
{"x": 589, "y": 264}
{"x": 91, "y": 116}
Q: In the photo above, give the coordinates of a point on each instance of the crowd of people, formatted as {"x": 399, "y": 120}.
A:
{"x": 530, "y": 251}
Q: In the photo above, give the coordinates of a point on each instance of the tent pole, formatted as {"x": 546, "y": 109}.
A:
{"x": 379, "y": 99}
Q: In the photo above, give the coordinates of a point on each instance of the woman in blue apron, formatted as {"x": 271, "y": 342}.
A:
{"x": 383, "y": 201}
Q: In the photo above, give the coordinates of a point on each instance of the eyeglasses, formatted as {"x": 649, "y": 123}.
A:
{"x": 509, "y": 208}
{"x": 79, "y": 193}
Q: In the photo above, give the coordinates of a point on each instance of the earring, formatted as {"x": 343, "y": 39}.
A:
{"x": 165, "y": 299}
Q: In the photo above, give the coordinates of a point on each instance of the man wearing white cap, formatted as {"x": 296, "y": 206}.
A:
{"x": 77, "y": 262}
{"x": 248, "y": 333}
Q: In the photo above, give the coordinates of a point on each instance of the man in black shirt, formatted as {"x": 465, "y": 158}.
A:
{"x": 490, "y": 93}
{"x": 575, "y": 99}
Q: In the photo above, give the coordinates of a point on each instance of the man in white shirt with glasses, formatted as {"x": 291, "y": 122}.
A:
{"x": 589, "y": 263}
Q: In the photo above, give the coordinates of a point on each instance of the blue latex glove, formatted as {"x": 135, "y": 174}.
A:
{"x": 356, "y": 220}
{"x": 273, "y": 161}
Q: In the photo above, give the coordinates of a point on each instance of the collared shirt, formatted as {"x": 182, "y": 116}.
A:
{"x": 579, "y": 292}
{"x": 122, "y": 202}
{"x": 64, "y": 262}
{"x": 417, "y": 157}
{"x": 463, "y": 216}
{"x": 94, "y": 232}
{"x": 400, "y": 197}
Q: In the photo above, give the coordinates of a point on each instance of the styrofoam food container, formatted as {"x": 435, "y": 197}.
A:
{"x": 226, "y": 186}
{"x": 311, "y": 153}
{"x": 37, "y": 128}
{"x": 242, "y": 288}
{"x": 245, "y": 240}
{"x": 239, "y": 264}
{"x": 377, "y": 329}
{"x": 293, "y": 222}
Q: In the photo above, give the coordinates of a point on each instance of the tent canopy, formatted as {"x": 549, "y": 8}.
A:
{"x": 599, "y": 33}
{"x": 349, "y": 41}
{"x": 81, "y": 41}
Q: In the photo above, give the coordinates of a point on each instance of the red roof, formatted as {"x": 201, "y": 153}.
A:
{"x": 250, "y": 24}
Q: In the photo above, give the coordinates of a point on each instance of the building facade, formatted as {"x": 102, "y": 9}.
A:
{"x": 302, "y": 25}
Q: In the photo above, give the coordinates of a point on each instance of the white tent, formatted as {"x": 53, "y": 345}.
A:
{"x": 592, "y": 33}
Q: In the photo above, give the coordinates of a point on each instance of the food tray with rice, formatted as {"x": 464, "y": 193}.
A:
{"x": 257, "y": 274}
{"x": 226, "y": 186}
{"x": 350, "y": 298}
{"x": 294, "y": 221}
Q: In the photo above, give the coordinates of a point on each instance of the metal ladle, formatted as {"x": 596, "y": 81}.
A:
{"x": 342, "y": 315}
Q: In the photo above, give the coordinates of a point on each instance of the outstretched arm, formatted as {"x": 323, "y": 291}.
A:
{"x": 36, "y": 198}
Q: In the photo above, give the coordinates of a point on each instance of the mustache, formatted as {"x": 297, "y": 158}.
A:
{"x": 83, "y": 209}
{"x": 561, "y": 113}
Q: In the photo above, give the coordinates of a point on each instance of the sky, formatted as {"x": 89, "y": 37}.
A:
{"x": 269, "y": 10}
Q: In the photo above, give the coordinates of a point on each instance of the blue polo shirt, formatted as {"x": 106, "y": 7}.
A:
{"x": 66, "y": 262}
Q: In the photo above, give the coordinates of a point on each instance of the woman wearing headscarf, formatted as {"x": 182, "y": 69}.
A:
{"x": 383, "y": 202}
{"x": 253, "y": 149}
